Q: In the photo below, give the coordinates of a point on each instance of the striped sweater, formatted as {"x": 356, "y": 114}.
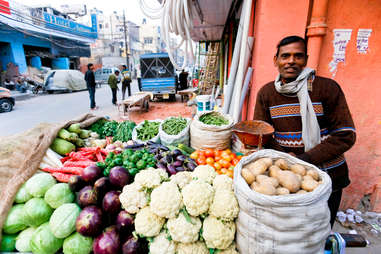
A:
{"x": 338, "y": 133}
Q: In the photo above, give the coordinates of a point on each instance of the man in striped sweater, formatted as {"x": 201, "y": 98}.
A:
{"x": 310, "y": 116}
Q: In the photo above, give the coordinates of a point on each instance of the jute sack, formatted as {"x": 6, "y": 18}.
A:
{"x": 292, "y": 224}
{"x": 181, "y": 138}
{"x": 210, "y": 136}
{"x": 20, "y": 157}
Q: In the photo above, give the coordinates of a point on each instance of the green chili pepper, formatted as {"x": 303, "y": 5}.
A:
{"x": 141, "y": 164}
{"x": 133, "y": 171}
{"x": 100, "y": 164}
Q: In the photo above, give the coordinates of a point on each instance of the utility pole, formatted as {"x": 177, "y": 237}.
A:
{"x": 125, "y": 40}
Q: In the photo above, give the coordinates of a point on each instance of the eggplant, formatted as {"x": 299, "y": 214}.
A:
{"x": 87, "y": 196}
{"x": 191, "y": 166}
{"x": 111, "y": 202}
{"x": 135, "y": 146}
{"x": 181, "y": 158}
{"x": 91, "y": 173}
{"x": 177, "y": 163}
{"x": 76, "y": 183}
{"x": 168, "y": 158}
{"x": 124, "y": 222}
{"x": 192, "y": 160}
{"x": 101, "y": 186}
{"x": 119, "y": 177}
{"x": 180, "y": 169}
{"x": 108, "y": 242}
{"x": 161, "y": 165}
{"x": 89, "y": 221}
{"x": 171, "y": 170}
{"x": 158, "y": 157}
{"x": 177, "y": 152}
{"x": 131, "y": 246}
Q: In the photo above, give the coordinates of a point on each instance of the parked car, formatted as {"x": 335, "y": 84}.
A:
{"x": 64, "y": 81}
{"x": 6, "y": 100}
{"x": 102, "y": 74}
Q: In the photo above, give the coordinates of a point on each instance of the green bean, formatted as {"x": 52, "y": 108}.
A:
{"x": 174, "y": 125}
{"x": 213, "y": 118}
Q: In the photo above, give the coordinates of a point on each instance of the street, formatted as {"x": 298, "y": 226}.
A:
{"x": 55, "y": 108}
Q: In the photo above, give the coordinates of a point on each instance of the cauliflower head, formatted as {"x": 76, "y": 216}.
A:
{"x": 133, "y": 199}
{"x": 192, "y": 248}
{"x": 163, "y": 174}
{"x": 223, "y": 182}
{"x": 161, "y": 245}
{"x": 230, "y": 250}
{"x": 181, "y": 178}
{"x": 218, "y": 234}
{"x": 182, "y": 230}
{"x": 224, "y": 205}
{"x": 166, "y": 200}
{"x": 197, "y": 197}
{"x": 147, "y": 223}
{"x": 204, "y": 172}
{"x": 148, "y": 178}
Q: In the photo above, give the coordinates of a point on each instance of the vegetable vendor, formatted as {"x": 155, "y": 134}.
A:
{"x": 310, "y": 116}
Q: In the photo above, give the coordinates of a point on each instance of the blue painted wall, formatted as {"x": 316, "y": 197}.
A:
{"x": 61, "y": 63}
{"x": 5, "y": 55}
{"x": 36, "y": 62}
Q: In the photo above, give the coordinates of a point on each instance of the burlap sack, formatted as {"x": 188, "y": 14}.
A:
{"x": 20, "y": 157}
{"x": 210, "y": 136}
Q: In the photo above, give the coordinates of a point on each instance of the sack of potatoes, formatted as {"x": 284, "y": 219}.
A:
{"x": 278, "y": 177}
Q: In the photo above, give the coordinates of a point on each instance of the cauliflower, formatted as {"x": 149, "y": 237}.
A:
{"x": 192, "y": 248}
{"x": 166, "y": 200}
{"x": 204, "y": 172}
{"x": 147, "y": 223}
{"x": 223, "y": 182}
{"x": 163, "y": 174}
{"x": 132, "y": 199}
{"x": 181, "y": 230}
{"x": 181, "y": 178}
{"x": 148, "y": 178}
{"x": 224, "y": 205}
{"x": 230, "y": 250}
{"x": 218, "y": 234}
{"x": 161, "y": 245}
{"x": 197, "y": 197}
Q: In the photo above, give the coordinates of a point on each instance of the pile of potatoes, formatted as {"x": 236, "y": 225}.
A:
{"x": 280, "y": 177}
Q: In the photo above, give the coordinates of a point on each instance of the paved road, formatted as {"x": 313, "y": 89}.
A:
{"x": 55, "y": 108}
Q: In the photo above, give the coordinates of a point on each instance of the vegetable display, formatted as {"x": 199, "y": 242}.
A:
{"x": 279, "y": 177}
{"x": 124, "y": 130}
{"x": 148, "y": 130}
{"x": 174, "y": 125}
{"x": 213, "y": 118}
{"x": 109, "y": 128}
{"x": 98, "y": 127}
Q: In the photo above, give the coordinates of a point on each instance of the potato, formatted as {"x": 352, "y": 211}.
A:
{"x": 299, "y": 177}
{"x": 248, "y": 176}
{"x": 289, "y": 180}
{"x": 268, "y": 161}
{"x": 263, "y": 178}
{"x": 301, "y": 192}
{"x": 273, "y": 171}
{"x": 309, "y": 185}
{"x": 282, "y": 164}
{"x": 257, "y": 167}
{"x": 298, "y": 169}
{"x": 264, "y": 188}
{"x": 314, "y": 174}
{"x": 307, "y": 177}
{"x": 282, "y": 191}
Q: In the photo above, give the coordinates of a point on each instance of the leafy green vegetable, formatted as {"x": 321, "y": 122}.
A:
{"x": 124, "y": 131}
{"x": 62, "y": 222}
{"x": 109, "y": 128}
{"x": 77, "y": 244}
{"x": 38, "y": 184}
{"x": 59, "y": 194}
{"x": 44, "y": 242}
{"x": 36, "y": 212}
{"x": 8, "y": 243}
{"x": 174, "y": 125}
{"x": 98, "y": 127}
{"x": 22, "y": 195}
{"x": 148, "y": 130}
{"x": 213, "y": 118}
{"x": 23, "y": 240}
{"x": 15, "y": 221}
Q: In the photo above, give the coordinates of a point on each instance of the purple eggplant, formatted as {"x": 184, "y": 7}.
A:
{"x": 124, "y": 222}
{"x": 101, "y": 186}
{"x": 108, "y": 242}
{"x": 111, "y": 202}
{"x": 180, "y": 169}
{"x": 191, "y": 166}
{"x": 89, "y": 221}
{"x": 158, "y": 157}
{"x": 168, "y": 158}
{"x": 76, "y": 183}
{"x": 161, "y": 165}
{"x": 177, "y": 163}
{"x": 171, "y": 170}
{"x": 87, "y": 196}
{"x": 91, "y": 173}
{"x": 177, "y": 152}
{"x": 181, "y": 158}
{"x": 131, "y": 246}
{"x": 119, "y": 177}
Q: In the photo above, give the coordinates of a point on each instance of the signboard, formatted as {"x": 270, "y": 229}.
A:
{"x": 4, "y": 7}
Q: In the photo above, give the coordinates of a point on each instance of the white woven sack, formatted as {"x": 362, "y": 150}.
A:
{"x": 292, "y": 224}
{"x": 210, "y": 136}
{"x": 181, "y": 138}
{"x": 155, "y": 139}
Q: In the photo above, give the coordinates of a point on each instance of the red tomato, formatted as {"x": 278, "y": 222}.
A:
{"x": 209, "y": 152}
{"x": 201, "y": 153}
{"x": 228, "y": 151}
{"x": 231, "y": 168}
{"x": 226, "y": 157}
{"x": 224, "y": 163}
{"x": 230, "y": 174}
{"x": 210, "y": 161}
{"x": 194, "y": 155}
{"x": 217, "y": 166}
{"x": 217, "y": 158}
{"x": 235, "y": 161}
{"x": 201, "y": 160}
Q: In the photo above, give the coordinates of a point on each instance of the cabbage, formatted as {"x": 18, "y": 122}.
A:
{"x": 44, "y": 242}
{"x": 59, "y": 194}
{"x": 77, "y": 244}
{"x": 8, "y": 243}
{"x": 22, "y": 195}
{"x": 62, "y": 222}
{"x": 15, "y": 221}
{"x": 36, "y": 212}
{"x": 38, "y": 184}
{"x": 23, "y": 240}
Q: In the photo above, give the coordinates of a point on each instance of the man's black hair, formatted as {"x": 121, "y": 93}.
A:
{"x": 117, "y": 71}
{"x": 124, "y": 66}
{"x": 89, "y": 65}
{"x": 291, "y": 39}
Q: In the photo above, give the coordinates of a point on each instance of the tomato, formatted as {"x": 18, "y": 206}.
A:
{"x": 194, "y": 155}
{"x": 224, "y": 163}
{"x": 230, "y": 174}
{"x": 217, "y": 166}
{"x": 235, "y": 161}
{"x": 239, "y": 157}
{"x": 224, "y": 171}
{"x": 210, "y": 161}
{"x": 201, "y": 160}
{"x": 201, "y": 153}
{"x": 231, "y": 168}
{"x": 226, "y": 157}
{"x": 209, "y": 152}
{"x": 233, "y": 155}
{"x": 228, "y": 151}
{"x": 217, "y": 153}
{"x": 217, "y": 158}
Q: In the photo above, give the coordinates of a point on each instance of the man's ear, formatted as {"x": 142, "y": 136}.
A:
{"x": 274, "y": 59}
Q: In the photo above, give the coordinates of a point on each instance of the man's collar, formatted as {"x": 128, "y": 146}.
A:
{"x": 310, "y": 80}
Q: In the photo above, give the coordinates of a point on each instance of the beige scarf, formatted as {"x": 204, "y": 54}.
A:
{"x": 310, "y": 125}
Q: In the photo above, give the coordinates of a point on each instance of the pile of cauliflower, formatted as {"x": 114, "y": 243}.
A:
{"x": 188, "y": 213}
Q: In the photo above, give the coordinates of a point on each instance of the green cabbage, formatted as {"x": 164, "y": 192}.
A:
{"x": 38, "y": 184}
{"x": 8, "y": 243}
{"x": 62, "y": 222}
{"x": 23, "y": 240}
{"x": 36, "y": 212}
{"x": 15, "y": 221}
{"x": 22, "y": 195}
{"x": 77, "y": 244}
{"x": 44, "y": 242}
{"x": 58, "y": 195}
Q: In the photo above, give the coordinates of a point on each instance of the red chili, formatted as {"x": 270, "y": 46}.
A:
{"x": 61, "y": 177}
{"x": 65, "y": 159}
{"x": 99, "y": 156}
{"x": 82, "y": 164}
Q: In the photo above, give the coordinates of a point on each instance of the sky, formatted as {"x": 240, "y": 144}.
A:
{"x": 131, "y": 7}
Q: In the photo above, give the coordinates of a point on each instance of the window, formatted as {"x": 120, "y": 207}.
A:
{"x": 148, "y": 40}
{"x": 100, "y": 26}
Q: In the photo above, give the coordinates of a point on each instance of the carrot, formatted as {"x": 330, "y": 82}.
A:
{"x": 99, "y": 156}
{"x": 70, "y": 170}
{"x": 81, "y": 164}
{"x": 65, "y": 159}
{"x": 61, "y": 177}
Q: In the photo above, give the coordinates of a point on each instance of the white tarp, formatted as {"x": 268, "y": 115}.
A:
{"x": 71, "y": 79}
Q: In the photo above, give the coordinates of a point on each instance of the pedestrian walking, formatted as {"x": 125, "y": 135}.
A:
{"x": 126, "y": 82}
{"x": 113, "y": 83}
{"x": 90, "y": 82}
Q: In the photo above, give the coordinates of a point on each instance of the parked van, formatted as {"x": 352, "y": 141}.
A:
{"x": 102, "y": 74}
